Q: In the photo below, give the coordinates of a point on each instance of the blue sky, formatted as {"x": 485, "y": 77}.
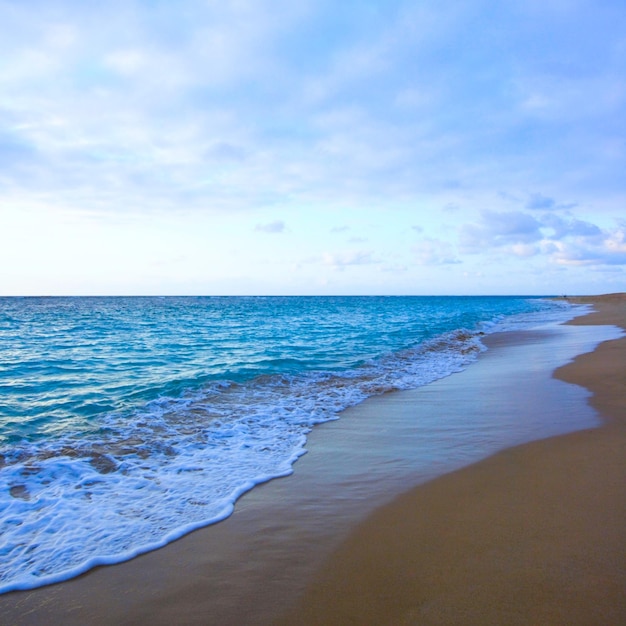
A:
{"x": 312, "y": 147}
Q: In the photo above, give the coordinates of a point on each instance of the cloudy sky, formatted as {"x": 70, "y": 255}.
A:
{"x": 312, "y": 147}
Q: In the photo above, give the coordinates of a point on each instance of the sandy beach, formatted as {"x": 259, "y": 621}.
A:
{"x": 532, "y": 534}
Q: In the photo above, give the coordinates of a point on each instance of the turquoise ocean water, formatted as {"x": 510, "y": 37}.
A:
{"x": 128, "y": 422}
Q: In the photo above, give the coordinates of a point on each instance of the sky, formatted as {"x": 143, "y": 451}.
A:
{"x": 231, "y": 147}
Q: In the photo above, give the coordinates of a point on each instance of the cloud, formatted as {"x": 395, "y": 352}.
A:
{"x": 272, "y": 227}
{"x": 498, "y": 230}
{"x": 564, "y": 241}
{"x": 434, "y": 252}
{"x": 298, "y": 100}
{"x": 609, "y": 248}
{"x": 562, "y": 227}
{"x": 130, "y": 100}
{"x": 538, "y": 201}
{"x": 397, "y": 111}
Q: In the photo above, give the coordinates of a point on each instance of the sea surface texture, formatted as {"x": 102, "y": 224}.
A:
{"x": 128, "y": 422}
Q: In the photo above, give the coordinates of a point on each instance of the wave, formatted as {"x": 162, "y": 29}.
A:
{"x": 143, "y": 478}
{"x": 180, "y": 463}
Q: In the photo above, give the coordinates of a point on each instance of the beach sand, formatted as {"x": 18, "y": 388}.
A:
{"x": 534, "y": 534}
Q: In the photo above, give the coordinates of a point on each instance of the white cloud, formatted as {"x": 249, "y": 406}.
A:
{"x": 607, "y": 249}
{"x": 565, "y": 241}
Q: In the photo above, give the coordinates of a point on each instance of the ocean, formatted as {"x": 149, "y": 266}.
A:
{"x": 126, "y": 422}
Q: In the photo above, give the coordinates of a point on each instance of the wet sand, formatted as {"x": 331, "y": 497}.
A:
{"x": 328, "y": 539}
{"x": 535, "y": 534}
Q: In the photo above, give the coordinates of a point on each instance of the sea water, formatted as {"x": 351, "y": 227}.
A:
{"x": 128, "y": 422}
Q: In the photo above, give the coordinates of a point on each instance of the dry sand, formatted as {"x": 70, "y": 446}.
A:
{"x": 533, "y": 535}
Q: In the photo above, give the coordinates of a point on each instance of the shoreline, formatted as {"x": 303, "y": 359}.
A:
{"x": 535, "y": 534}
{"x": 253, "y": 566}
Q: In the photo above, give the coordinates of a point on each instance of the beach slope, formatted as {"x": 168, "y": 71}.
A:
{"x": 535, "y": 534}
